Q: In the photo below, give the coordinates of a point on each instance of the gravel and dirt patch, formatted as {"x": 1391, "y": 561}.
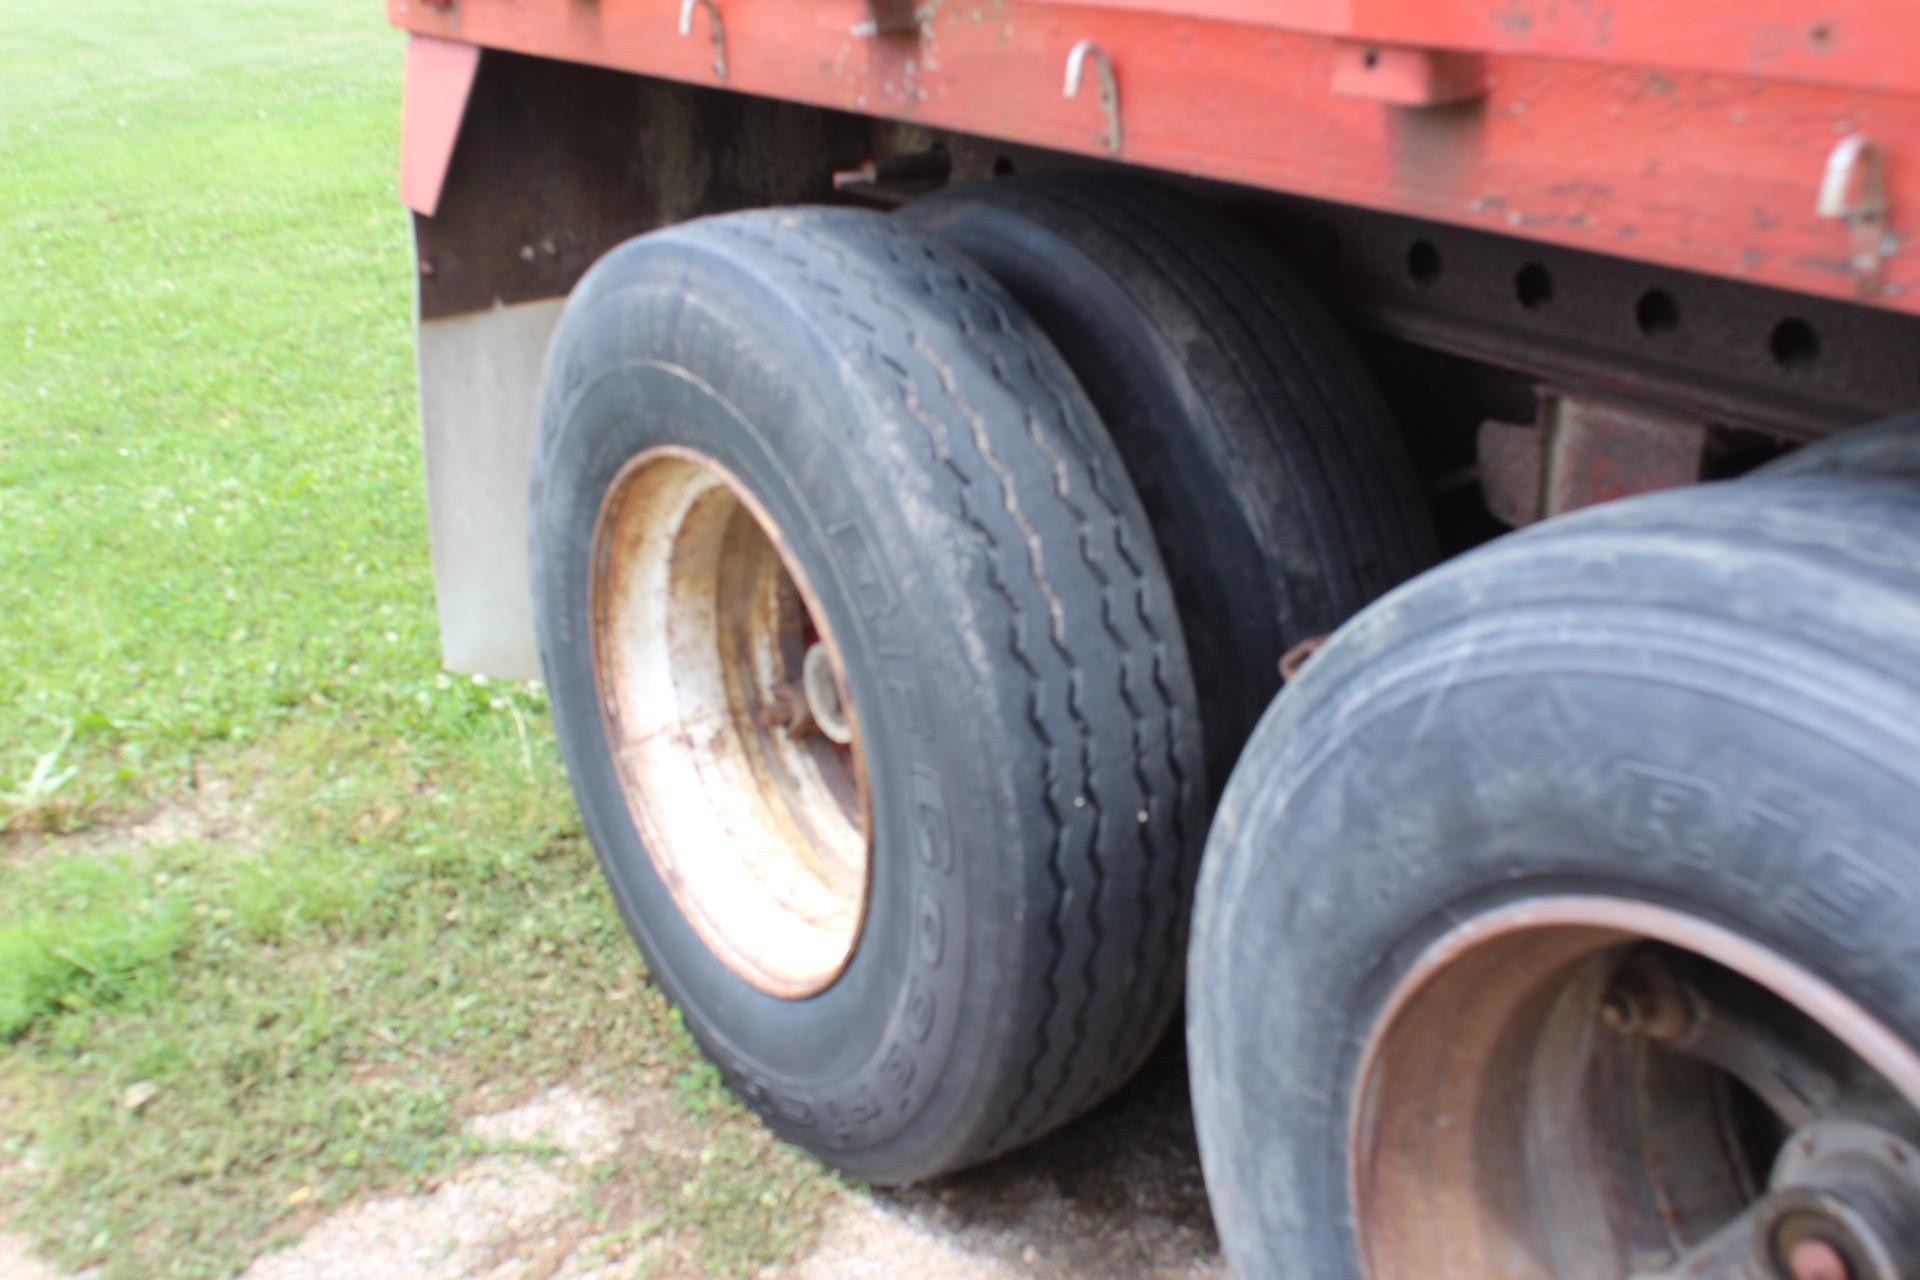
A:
{"x": 212, "y": 811}
{"x": 1118, "y": 1195}
{"x": 18, "y": 1263}
{"x": 581, "y": 1188}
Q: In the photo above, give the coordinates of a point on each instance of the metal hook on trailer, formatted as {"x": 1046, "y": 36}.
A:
{"x": 1854, "y": 190}
{"x": 1109, "y": 86}
{"x": 713, "y": 20}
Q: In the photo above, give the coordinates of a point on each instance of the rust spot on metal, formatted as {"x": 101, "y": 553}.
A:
{"x": 1854, "y": 190}
{"x": 1088, "y": 51}
{"x": 1295, "y": 658}
{"x": 1408, "y": 77}
{"x": 716, "y": 30}
{"x": 1580, "y": 452}
{"x": 1514, "y": 18}
{"x": 786, "y": 708}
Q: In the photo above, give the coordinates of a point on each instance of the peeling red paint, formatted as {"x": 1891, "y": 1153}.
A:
{"x": 1591, "y": 132}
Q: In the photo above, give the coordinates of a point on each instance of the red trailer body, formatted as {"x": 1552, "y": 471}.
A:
{"x": 1559, "y": 922}
{"x": 1698, "y": 137}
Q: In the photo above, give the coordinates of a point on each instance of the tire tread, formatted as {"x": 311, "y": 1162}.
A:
{"x": 871, "y": 261}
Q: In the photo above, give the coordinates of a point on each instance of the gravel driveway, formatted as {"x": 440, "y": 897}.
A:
{"x": 1116, "y": 1196}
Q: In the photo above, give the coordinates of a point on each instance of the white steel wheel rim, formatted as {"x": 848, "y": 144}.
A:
{"x": 755, "y": 820}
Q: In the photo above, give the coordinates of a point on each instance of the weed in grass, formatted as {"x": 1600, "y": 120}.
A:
{"x": 34, "y": 805}
{"x": 97, "y": 942}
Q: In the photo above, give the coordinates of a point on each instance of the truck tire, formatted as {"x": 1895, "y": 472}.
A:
{"x": 1561, "y": 877}
{"x": 868, "y": 681}
{"x": 1282, "y": 497}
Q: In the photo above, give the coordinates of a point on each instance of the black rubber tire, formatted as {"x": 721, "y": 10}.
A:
{"x": 1890, "y": 447}
{"x": 1282, "y": 497}
{"x": 1035, "y": 767}
{"x": 1477, "y": 738}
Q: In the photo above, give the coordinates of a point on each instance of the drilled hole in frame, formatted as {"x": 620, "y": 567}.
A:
{"x": 1533, "y": 286}
{"x": 1656, "y": 313}
{"x": 1423, "y": 262}
{"x": 1794, "y": 344}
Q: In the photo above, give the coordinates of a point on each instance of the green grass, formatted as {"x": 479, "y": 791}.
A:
{"x": 215, "y": 601}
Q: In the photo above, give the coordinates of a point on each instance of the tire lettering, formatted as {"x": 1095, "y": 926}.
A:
{"x": 932, "y": 833}
{"x": 930, "y": 927}
{"x": 848, "y": 1119}
{"x": 897, "y": 1069}
{"x": 1765, "y": 839}
{"x": 1842, "y": 898}
{"x": 871, "y": 594}
{"x": 905, "y": 694}
{"x": 1665, "y": 813}
{"x": 1763, "y": 847}
{"x": 920, "y": 1010}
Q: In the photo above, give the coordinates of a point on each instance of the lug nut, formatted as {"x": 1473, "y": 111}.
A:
{"x": 786, "y": 708}
{"x": 1617, "y": 1012}
{"x": 1644, "y": 1001}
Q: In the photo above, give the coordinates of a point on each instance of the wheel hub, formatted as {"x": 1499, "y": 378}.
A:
{"x": 825, "y": 705}
{"x": 737, "y": 752}
{"x": 1844, "y": 1205}
{"x": 1814, "y": 1258}
{"x": 1591, "y": 1087}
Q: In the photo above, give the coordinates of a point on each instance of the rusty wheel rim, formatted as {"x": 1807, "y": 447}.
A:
{"x": 728, "y": 713}
{"x": 1598, "y": 1087}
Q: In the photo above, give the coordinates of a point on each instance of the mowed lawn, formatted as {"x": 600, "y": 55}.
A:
{"x": 281, "y": 903}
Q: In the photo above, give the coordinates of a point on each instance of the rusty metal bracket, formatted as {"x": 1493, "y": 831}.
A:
{"x": 1854, "y": 190}
{"x": 892, "y": 18}
{"x": 713, "y": 22}
{"x": 1580, "y": 452}
{"x": 1109, "y": 86}
{"x": 898, "y": 176}
{"x": 1407, "y": 77}
{"x": 1295, "y": 658}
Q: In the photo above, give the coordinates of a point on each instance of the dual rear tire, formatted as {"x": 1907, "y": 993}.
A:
{"x": 907, "y": 585}
{"x": 813, "y": 442}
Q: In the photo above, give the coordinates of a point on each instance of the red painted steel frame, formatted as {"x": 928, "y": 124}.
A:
{"x": 1694, "y": 135}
